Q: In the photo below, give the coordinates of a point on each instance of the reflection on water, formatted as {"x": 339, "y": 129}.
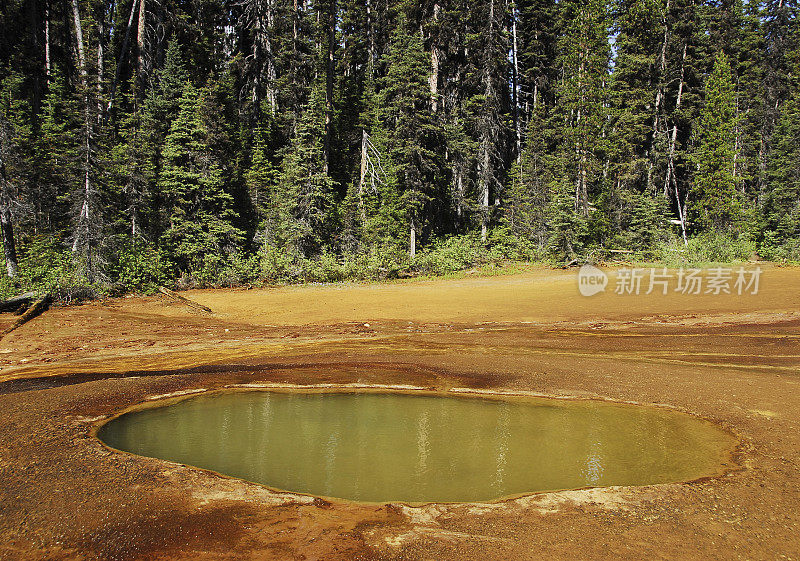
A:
{"x": 395, "y": 447}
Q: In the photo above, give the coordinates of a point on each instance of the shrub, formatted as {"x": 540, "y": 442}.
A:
{"x": 711, "y": 247}
{"x": 142, "y": 267}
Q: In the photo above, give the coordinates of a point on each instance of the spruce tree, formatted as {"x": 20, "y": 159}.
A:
{"x": 260, "y": 179}
{"x": 529, "y": 194}
{"x": 200, "y": 214}
{"x": 782, "y": 204}
{"x": 411, "y": 136}
{"x": 633, "y": 90}
{"x": 580, "y": 115}
{"x": 306, "y": 191}
{"x": 716, "y": 200}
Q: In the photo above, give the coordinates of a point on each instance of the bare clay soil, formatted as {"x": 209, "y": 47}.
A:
{"x": 733, "y": 359}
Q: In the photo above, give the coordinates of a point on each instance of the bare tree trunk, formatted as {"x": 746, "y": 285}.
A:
{"x": 515, "y": 84}
{"x": 671, "y": 179}
{"x": 370, "y": 41}
{"x": 434, "y": 77}
{"x": 79, "y": 39}
{"x": 459, "y": 175}
{"x": 6, "y": 224}
{"x": 412, "y": 242}
{"x": 329, "y": 71}
{"x": 126, "y": 39}
{"x": 662, "y": 65}
{"x": 674, "y": 138}
{"x": 100, "y": 64}
{"x": 140, "y": 53}
{"x": 47, "y": 63}
{"x": 362, "y": 175}
{"x": 485, "y": 172}
{"x": 84, "y": 216}
{"x": 271, "y": 74}
{"x": 485, "y": 162}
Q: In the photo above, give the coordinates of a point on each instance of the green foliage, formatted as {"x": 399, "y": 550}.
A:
{"x": 230, "y": 148}
{"x": 781, "y": 208}
{"x": 142, "y": 267}
{"x": 305, "y": 192}
{"x": 46, "y": 267}
{"x": 716, "y": 199}
{"x": 567, "y": 227}
{"x": 407, "y": 135}
{"x": 705, "y": 249}
{"x": 200, "y": 212}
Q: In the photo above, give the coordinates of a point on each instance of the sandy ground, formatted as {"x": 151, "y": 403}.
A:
{"x": 733, "y": 359}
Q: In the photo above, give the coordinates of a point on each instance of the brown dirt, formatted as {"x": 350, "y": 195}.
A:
{"x": 732, "y": 359}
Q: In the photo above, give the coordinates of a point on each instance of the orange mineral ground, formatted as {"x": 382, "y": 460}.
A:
{"x": 733, "y": 359}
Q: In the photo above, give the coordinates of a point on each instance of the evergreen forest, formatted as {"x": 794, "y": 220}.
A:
{"x": 227, "y": 142}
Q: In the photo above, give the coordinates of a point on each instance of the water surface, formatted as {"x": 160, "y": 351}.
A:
{"x": 419, "y": 448}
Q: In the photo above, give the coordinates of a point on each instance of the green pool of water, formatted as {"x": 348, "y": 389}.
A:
{"x": 420, "y": 448}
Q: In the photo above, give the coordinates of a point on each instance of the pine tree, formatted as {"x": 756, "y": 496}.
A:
{"x": 536, "y": 33}
{"x": 633, "y": 91}
{"x": 58, "y": 153}
{"x": 133, "y": 167}
{"x": 716, "y": 201}
{"x": 488, "y": 104}
{"x": 16, "y": 145}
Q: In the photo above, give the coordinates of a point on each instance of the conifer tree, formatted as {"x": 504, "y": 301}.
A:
{"x": 260, "y": 179}
{"x": 529, "y": 193}
{"x": 782, "y": 203}
{"x": 133, "y": 166}
{"x": 716, "y": 201}
{"x": 306, "y": 191}
{"x": 581, "y": 114}
{"x": 200, "y": 212}
{"x": 633, "y": 89}
{"x": 411, "y": 134}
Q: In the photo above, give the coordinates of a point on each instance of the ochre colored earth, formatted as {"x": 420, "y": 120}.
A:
{"x": 733, "y": 359}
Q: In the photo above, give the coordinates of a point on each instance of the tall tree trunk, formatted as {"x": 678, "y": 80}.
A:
{"x": 363, "y": 174}
{"x": 329, "y": 71}
{"x": 272, "y": 97}
{"x": 6, "y": 224}
{"x": 141, "y": 30}
{"x": 662, "y": 67}
{"x": 485, "y": 171}
{"x": 671, "y": 178}
{"x": 434, "y": 78}
{"x": 123, "y": 51}
{"x": 674, "y": 135}
{"x": 47, "y": 63}
{"x": 515, "y": 84}
{"x": 412, "y": 241}
{"x": 370, "y": 42}
{"x": 100, "y": 64}
{"x": 84, "y": 217}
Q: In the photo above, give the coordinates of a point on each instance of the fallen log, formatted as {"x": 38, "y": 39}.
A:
{"x": 184, "y": 300}
{"x": 34, "y": 310}
{"x": 17, "y": 302}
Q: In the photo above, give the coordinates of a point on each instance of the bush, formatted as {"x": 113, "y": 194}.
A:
{"x": 142, "y": 267}
{"x": 45, "y": 266}
{"x": 711, "y": 247}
